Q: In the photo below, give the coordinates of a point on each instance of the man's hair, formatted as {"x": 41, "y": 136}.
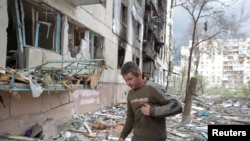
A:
{"x": 130, "y": 67}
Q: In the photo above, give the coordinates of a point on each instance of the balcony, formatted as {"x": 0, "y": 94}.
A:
{"x": 86, "y": 2}
{"x": 148, "y": 52}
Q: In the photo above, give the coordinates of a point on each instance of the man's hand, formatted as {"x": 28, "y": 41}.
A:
{"x": 145, "y": 109}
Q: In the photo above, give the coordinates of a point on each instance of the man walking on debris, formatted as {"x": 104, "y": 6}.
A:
{"x": 148, "y": 105}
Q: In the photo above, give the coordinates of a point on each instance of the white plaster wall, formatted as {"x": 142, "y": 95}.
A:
{"x": 132, "y": 13}
{"x": 84, "y": 15}
{"x": 3, "y": 35}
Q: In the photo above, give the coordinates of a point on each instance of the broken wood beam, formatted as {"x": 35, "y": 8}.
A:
{"x": 242, "y": 121}
{"x": 21, "y": 138}
{"x": 178, "y": 133}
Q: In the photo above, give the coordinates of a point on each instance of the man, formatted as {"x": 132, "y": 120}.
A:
{"x": 148, "y": 105}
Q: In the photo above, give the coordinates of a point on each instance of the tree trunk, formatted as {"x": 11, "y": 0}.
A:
{"x": 188, "y": 100}
{"x": 169, "y": 71}
{"x": 202, "y": 88}
{"x": 182, "y": 78}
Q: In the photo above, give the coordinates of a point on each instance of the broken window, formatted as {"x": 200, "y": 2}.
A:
{"x": 136, "y": 59}
{"x": 34, "y": 45}
{"x": 84, "y": 43}
{"x": 124, "y": 15}
{"x": 96, "y": 46}
{"x": 121, "y": 55}
{"x": 31, "y": 25}
{"x": 137, "y": 30}
{"x": 75, "y": 35}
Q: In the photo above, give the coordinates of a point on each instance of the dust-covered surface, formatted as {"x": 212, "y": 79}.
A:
{"x": 106, "y": 124}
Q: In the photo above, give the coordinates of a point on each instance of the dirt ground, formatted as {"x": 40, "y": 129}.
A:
{"x": 106, "y": 124}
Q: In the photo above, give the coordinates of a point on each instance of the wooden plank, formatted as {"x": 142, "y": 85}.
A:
{"x": 21, "y": 138}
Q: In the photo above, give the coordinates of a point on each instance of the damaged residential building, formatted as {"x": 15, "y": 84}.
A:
{"x": 63, "y": 57}
{"x": 227, "y": 66}
{"x": 157, "y": 37}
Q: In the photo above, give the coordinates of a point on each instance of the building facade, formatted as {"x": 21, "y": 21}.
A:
{"x": 226, "y": 66}
{"x": 74, "y": 50}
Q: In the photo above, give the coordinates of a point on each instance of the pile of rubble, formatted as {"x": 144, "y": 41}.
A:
{"x": 106, "y": 124}
{"x": 98, "y": 126}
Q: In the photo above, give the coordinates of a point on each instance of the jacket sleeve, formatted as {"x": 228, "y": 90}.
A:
{"x": 129, "y": 122}
{"x": 172, "y": 108}
{"x": 167, "y": 105}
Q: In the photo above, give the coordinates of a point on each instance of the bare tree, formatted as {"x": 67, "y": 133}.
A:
{"x": 210, "y": 19}
{"x": 183, "y": 75}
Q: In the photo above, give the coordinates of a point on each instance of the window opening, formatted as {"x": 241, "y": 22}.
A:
{"x": 124, "y": 15}
{"x": 31, "y": 25}
{"x": 96, "y": 46}
{"x": 121, "y": 55}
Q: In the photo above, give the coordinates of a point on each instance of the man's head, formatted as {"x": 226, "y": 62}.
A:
{"x": 131, "y": 74}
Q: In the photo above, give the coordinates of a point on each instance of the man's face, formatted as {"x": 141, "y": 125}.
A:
{"x": 132, "y": 80}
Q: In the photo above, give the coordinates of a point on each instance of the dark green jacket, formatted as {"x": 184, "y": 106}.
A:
{"x": 153, "y": 127}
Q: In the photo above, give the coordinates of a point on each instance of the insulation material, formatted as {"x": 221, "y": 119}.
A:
{"x": 84, "y": 53}
{"x": 94, "y": 79}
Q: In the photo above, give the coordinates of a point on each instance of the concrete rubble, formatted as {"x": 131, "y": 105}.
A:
{"x": 106, "y": 124}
